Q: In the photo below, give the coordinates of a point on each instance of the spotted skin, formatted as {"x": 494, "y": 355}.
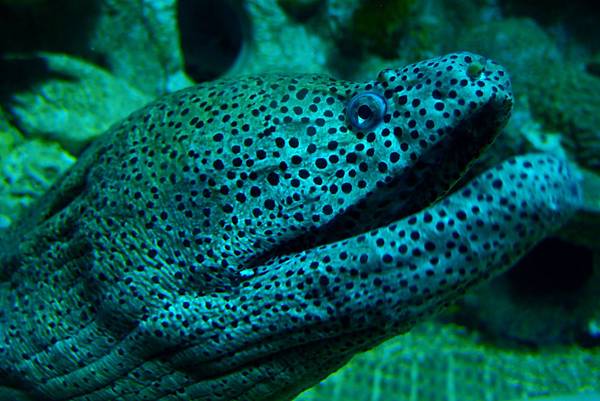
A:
{"x": 242, "y": 239}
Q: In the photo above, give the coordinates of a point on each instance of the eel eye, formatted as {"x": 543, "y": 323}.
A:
{"x": 366, "y": 110}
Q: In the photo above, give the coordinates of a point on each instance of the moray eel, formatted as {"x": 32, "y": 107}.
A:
{"x": 242, "y": 239}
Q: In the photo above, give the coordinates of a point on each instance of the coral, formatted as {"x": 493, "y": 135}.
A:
{"x": 277, "y": 42}
{"x": 9, "y": 138}
{"x": 67, "y": 100}
{"x": 139, "y": 42}
{"x": 26, "y": 172}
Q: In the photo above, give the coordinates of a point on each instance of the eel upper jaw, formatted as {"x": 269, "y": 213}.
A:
{"x": 483, "y": 120}
{"x": 397, "y": 200}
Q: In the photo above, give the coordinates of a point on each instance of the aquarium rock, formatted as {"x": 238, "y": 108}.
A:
{"x": 69, "y": 100}
{"x": 26, "y": 172}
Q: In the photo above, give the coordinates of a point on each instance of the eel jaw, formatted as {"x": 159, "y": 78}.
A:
{"x": 348, "y": 296}
{"x": 414, "y": 189}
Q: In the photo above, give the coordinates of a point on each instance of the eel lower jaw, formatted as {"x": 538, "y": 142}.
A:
{"x": 414, "y": 188}
{"x": 307, "y": 313}
{"x": 391, "y": 277}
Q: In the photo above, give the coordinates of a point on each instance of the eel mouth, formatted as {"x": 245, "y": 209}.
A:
{"x": 417, "y": 187}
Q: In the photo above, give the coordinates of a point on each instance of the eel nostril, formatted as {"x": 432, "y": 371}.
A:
{"x": 475, "y": 69}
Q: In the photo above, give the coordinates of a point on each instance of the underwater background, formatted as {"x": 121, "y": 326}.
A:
{"x": 69, "y": 69}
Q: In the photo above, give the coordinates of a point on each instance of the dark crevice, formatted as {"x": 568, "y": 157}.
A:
{"x": 554, "y": 268}
{"x": 212, "y": 34}
{"x": 60, "y": 26}
{"x": 303, "y": 11}
{"x": 546, "y": 299}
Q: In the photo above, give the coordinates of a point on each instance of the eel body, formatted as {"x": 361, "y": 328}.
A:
{"x": 242, "y": 239}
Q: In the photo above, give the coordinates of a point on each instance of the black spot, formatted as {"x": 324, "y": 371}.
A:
{"x": 218, "y": 164}
{"x": 301, "y": 94}
{"x": 273, "y": 178}
{"x": 255, "y": 191}
{"x": 321, "y": 163}
{"x": 269, "y": 204}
